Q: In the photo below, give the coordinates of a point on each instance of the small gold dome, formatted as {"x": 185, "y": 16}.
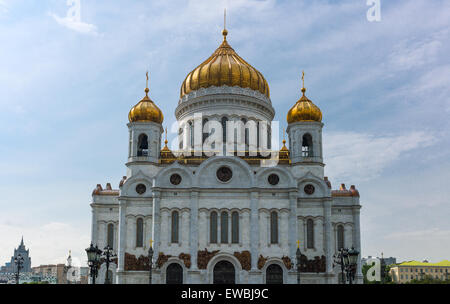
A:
{"x": 224, "y": 67}
{"x": 146, "y": 111}
{"x": 304, "y": 110}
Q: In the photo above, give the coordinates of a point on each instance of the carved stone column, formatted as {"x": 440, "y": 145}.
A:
{"x": 193, "y": 231}
{"x": 156, "y": 231}
{"x": 122, "y": 235}
{"x": 254, "y": 229}
{"x": 357, "y": 238}
{"x": 327, "y": 235}
{"x": 292, "y": 232}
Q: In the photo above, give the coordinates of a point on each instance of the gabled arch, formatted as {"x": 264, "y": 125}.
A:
{"x": 287, "y": 180}
{"x": 162, "y": 179}
{"x": 128, "y": 187}
{"x": 235, "y": 162}
{"x": 321, "y": 188}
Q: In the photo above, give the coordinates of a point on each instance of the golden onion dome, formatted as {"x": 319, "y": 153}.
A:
{"x": 304, "y": 109}
{"x": 225, "y": 67}
{"x": 146, "y": 110}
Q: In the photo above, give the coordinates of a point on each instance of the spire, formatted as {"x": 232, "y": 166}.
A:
{"x": 225, "y": 32}
{"x": 21, "y": 242}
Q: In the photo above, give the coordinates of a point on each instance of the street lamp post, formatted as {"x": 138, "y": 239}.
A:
{"x": 19, "y": 265}
{"x": 93, "y": 254}
{"x": 108, "y": 254}
{"x": 298, "y": 256}
{"x": 150, "y": 262}
{"x": 348, "y": 260}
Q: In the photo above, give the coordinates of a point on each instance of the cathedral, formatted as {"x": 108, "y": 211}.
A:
{"x": 225, "y": 207}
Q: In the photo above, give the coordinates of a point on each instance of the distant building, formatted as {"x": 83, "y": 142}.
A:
{"x": 62, "y": 273}
{"x": 11, "y": 267}
{"x": 387, "y": 261}
{"x": 407, "y": 271}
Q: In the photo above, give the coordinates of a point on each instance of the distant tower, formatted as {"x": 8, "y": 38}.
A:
{"x": 305, "y": 133}
{"x": 25, "y": 253}
{"x": 145, "y": 129}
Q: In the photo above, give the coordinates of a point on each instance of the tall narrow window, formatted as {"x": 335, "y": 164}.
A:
{"x": 180, "y": 138}
{"x": 142, "y": 145}
{"x": 235, "y": 227}
{"x": 246, "y": 135}
{"x": 175, "y": 227}
{"x": 310, "y": 233}
{"x": 224, "y": 129}
{"x": 224, "y": 227}
{"x": 205, "y": 134}
{"x": 191, "y": 135}
{"x": 110, "y": 236}
{"x": 340, "y": 237}
{"x": 274, "y": 227}
{"x": 139, "y": 232}
{"x": 213, "y": 228}
{"x": 307, "y": 148}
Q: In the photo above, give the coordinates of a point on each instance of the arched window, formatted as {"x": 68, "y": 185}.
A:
{"x": 213, "y": 228}
{"x": 340, "y": 237}
{"x": 310, "y": 233}
{"x": 274, "y": 274}
{"x": 307, "y": 145}
{"x": 235, "y": 227}
{"x": 139, "y": 232}
{"x": 142, "y": 145}
{"x": 175, "y": 227}
{"x": 174, "y": 274}
{"x": 110, "y": 235}
{"x": 224, "y": 227}
{"x": 274, "y": 227}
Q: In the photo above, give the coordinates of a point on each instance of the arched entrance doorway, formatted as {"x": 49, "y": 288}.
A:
{"x": 274, "y": 274}
{"x": 174, "y": 274}
{"x": 224, "y": 273}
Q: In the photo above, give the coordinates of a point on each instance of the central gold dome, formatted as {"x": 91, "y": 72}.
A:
{"x": 225, "y": 67}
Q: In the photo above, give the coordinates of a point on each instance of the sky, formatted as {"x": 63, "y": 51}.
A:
{"x": 66, "y": 87}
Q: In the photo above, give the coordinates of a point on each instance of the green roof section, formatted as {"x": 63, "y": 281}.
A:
{"x": 416, "y": 263}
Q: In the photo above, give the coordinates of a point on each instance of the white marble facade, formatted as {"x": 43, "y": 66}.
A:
{"x": 248, "y": 193}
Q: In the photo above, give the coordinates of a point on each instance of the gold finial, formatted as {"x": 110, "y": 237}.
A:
{"x": 146, "y": 85}
{"x": 151, "y": 242}
{"x": 298, "y": 243}
{"x": 166, "y": 141}
{"x": 225, "y": 32}
{"x": 303, "y": 83}
{"x": 284, "y": 136}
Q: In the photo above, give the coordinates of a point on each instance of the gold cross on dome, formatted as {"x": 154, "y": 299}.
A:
{"x": 151, "y": 242}
{"x": 303, "y": 78}
{"x": 146, "y": 84}
{"x": 298, "y": 243}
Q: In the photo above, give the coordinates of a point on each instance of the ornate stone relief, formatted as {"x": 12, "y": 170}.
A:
{"x": 262, "y": 261}
{"x": 245, "y": 258}
{"x": 317, "y": 265}
{"x": 162, "y": 258}
{"x": 203, "y": 257}
{"x": 133, "y": 263}
{"x": 287, "y": 262}
{"x": 186, "y": 258}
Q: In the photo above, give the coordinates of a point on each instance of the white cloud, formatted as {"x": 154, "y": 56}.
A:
{"x": 73, "y": 24}
{"x": 362, "y": 156}
{"x": 434, "y": 233}
{"x": 48, "y": 243}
